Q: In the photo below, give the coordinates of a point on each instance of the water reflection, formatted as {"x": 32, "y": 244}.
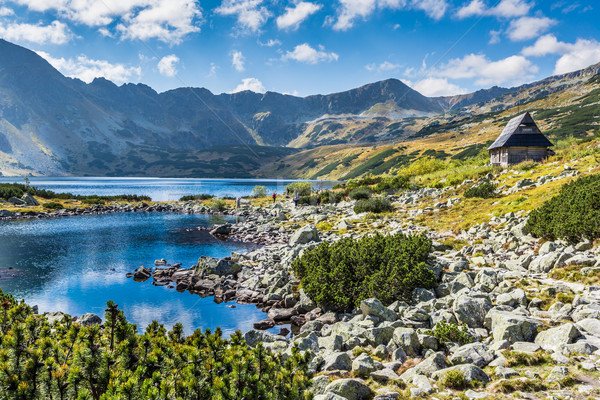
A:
{"x": 76, "y": 264}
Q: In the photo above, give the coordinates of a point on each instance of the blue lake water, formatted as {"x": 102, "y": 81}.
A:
{"x": 77, "y": 264}
{"x": 159, "y": 189}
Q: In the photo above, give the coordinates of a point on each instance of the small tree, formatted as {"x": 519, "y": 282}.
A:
{"x": 259, "y": 191}
{"x": 301, "y": 188}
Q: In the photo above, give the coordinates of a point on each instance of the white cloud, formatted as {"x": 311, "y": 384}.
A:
{"x": 494, "y": 37}
{"x": 165, "y": 20}
{"x": 385, "y": 66}
{"x": 5, "y": 11}
{"x": 294, "y": 16}
{"x": 574, "y": 56}
{"x": 237, "y": 60}
{"x": 504, "y": 9}
{"x": 306, "y": 54}
{"x": 270, "y": 43}
{"x": 434, "y": 87}
{"x": 510, "y": 70}
{"x": 252, "y": 84}
{"x": 213, "y": 70}
{"x": 526, "y": 28}
{"x": 87, "y": 69}
{"x": 167, "y": 65}
{"x": 251, "y": 16}
{"x": 351, "y": 10}
{"x": 55, "y": 33}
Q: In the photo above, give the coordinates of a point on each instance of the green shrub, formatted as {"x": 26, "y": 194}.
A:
{"x": 360, "y": 193}
{"x": 18, "y": 189}
{"x": 573, "y": 214}
{"x": 217, "y": 205}
{"x": 93, "y": 201}
{"x": 301, "y": 188}
{"x": 331, "y": 197}
{"x": 454, "y": 380}
{"x": 450, "y": 333}
{"x": 373, "y": 205}
{"x": 196, "y": 197}
{"x": 392, "y": 182}
{"x": 342, "y": 274}
{"x": 53, "y": 206}
{"x": 69, "y": 361}
{"x": 484, "y": 191}
{"x": 259, "y": 191}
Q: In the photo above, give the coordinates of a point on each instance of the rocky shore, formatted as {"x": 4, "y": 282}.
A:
{"x": 523, "y": 330}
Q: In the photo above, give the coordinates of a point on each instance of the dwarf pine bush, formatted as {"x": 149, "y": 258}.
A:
{"x": 68, "y": 361}
{"x": 483, "y": 191}
{"x": 573, "y": 214}
{"x": 340, "y": 275}
{"x": 375, "y": 205}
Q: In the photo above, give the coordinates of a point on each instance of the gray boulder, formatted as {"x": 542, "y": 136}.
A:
{"x": 375, "y": 308}
{"x": 487, "y": 279}
{"x": 363, "y": 365}
{"x": 552, "y": 338}
{"x": 306, "y": 234}
{"x": 16, "y": 201}
{"x": 337, "y": 361}
{"x": 514, "y": 299}
{"x": 142, "y": 274}
{"x": 350, "y": 389}
{"x": 473, "y": 353}
{"x": 55, "y": 316}
{"x": 513, "y": 327}
{"x": 214, "y": 266}
{"x": 89, "y": 319}
{"x": 471, "y": 310}
{"x": 30, "y": 200}
{"x": 590, "y": 325}
{"x": 408, "y": 340}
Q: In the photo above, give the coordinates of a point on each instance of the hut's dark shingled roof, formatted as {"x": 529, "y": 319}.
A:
{"x": 514, "y": 136}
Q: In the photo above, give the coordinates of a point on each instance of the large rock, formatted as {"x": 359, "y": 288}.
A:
{"x": 590, "y": 325}
{"x": 89, "y": 319}
{"x": 428, "y": 366}
{"x": 142, "y": 274}
{"x": 408, "y": 340}
{"x": 337, "y": 361}
{"x": 214, "y": 266}
{"x": 380, "y": 335}
{"x": 513, "y": 327}
{"x": 306, "y": 234}
{"x": 487, "y": 279}
{"x": 350, "y": 389}
{"x": 552, "y": 338}
{"x": 16, "y": 201}
{"x": 375, "y": 308}
{"x": 363, "y": 365}
{"x": 254, "y": 337}
{"x": 514, "y": 299}
{"x": 545, "y": 263}
{"x": 471, "y": 310}
{"x": 469, "y": 371}
{"x": 473, "y": 353}
{"x": 30, "y": 200}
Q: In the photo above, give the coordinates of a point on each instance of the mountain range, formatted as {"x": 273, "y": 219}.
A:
{"x": 54, "y": 125}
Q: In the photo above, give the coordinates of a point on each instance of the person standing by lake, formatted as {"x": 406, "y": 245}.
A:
{"x": 274, "y": 196}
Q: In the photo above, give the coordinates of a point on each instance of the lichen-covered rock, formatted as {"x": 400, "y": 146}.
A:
{"x": 306, "y": 234}
{"x": 471, "y": 310}
{"x": 552, "y": 338}
{"x": 408, "y": 340}
{"x": 350, "y": 389}
{"x": 375, "y": 308}
{"x": 469, "y": 371}
{"x": 363, "y": 365}
{"x": 473, "y": 353}
{"x": 513, "y": 327}
{"x": 337, "y": 361}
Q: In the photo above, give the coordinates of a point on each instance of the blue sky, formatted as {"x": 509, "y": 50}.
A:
{"x": 304, "y": 47}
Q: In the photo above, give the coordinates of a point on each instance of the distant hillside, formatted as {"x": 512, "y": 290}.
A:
{"x": 53, "y": 125}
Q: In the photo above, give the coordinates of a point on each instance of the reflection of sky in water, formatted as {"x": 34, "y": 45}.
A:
{"x": 159, "y": 189}
{"x": 77, "y": 264}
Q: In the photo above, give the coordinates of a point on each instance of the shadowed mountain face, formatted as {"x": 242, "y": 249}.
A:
{"x": 50, "y": 124}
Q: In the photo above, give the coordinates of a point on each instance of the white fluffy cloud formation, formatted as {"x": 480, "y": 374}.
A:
{"x": 87, "y": 69}
{"x": 351, "y": 10}
{"x": 5, "y": 11}
{"x": 237, "y": 60}
{"x": 434, "y": 87}
{"x": 504, "y": 9}
{"x": 294, "y": 16}
{"x": 252, "y": 84}
{"x": 574, "y": 56}
{"x": 55, "y": 33}
{"x": 167, "y": 65}
{"x": 306, "y": 54}
{"x": 526, "y": 28}
{"x": 165, "y": 20}
{"x": 510, "y": 70}
{"x": 250, "y": 14}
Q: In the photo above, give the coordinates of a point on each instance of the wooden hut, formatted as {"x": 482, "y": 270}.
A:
{"x": 520, "y": 140}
